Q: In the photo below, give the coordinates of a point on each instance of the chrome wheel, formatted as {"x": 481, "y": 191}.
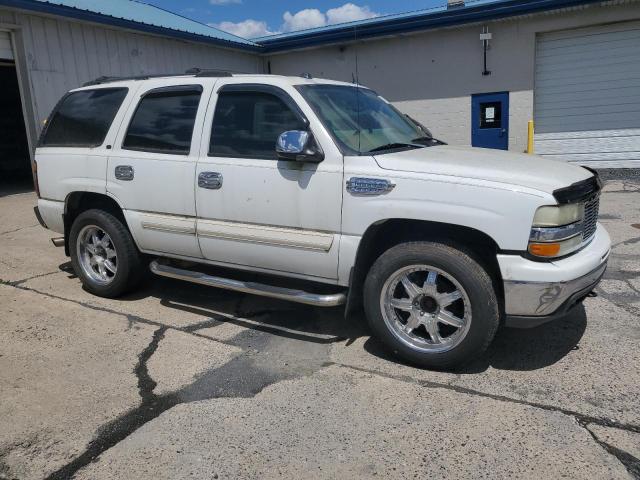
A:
{"x": 97, "y": 254}
{"x": 426, "y": 308}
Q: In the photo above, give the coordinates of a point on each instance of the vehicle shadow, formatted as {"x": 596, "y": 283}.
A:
{"x": 272, "y": 316}
{"x": 512, "y": 349}
{"x": 519, "y": 349}
{"x": 535, "y": 348}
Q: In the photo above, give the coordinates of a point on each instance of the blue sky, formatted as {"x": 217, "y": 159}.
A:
{"x": 253, "y": 18}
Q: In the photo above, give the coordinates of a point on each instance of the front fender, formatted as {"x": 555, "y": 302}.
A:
{"x": 503, "y": 214}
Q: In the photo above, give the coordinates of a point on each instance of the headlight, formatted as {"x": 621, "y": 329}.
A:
{"x": 555, "y": 216}
{"x": 557, "y": 230}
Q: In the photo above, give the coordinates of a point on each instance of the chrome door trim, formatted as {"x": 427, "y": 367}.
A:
{"x": 168, "y": 223}
{"x": 168, "y": 229}
{"x": 266, "y": 235}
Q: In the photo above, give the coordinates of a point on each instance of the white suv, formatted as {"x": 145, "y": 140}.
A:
{"x": 297, "y": 178}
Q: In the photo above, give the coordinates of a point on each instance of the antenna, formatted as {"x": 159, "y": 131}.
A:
{"x": 355, "y": 42}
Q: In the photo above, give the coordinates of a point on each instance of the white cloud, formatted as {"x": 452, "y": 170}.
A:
{"x": 307, "y": 18}
{"x": 312, "y": 17}
{"x": 245, "y": 29}
{"x": 349, "y": 13}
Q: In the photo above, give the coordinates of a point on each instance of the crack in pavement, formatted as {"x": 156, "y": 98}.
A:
{"x": 244, "y": 376}
{"x": 117, "y": 430}
{"x": 604, "y": 422}
{"x": 18, "y": 229}
{"x": 25, "y": 280}
{"x": 630, "y": 462}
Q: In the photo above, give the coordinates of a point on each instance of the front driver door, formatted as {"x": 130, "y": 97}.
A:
{"x": 256, "y": 211}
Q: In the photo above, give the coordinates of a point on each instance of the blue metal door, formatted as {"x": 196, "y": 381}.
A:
{"x": 490, "y": 120}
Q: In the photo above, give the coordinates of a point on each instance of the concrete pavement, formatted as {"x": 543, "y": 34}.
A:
{"x": 181, "y": 381}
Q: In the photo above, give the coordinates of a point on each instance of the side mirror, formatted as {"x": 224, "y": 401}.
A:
{"x": 300, "y": 146}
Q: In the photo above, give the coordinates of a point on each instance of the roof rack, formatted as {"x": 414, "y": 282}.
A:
{"x": 196, "y": 72}
{"x": 200, "y": 72}
{"x": 105, "y": 79}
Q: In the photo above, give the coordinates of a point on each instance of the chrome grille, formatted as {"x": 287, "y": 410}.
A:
{"x": 590, "y": 220}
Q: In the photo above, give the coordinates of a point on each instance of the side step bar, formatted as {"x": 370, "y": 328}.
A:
{"x": 298, "y": 296}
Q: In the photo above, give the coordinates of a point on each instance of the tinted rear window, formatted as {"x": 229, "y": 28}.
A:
{"x": 164, "y": 120}
{"x": 82, "y": 119}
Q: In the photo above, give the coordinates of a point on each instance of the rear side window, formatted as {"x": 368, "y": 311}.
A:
{"x": 164, "y": 120}
{"x": 82, "y": 119}
{"x": 248, "y": 124}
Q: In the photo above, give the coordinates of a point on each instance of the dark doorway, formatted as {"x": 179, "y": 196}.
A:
{"x": 490, "y": 120}
{"x": 15, "y": 163}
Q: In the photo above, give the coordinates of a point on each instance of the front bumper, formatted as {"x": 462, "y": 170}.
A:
{"x": 537, "y": 292}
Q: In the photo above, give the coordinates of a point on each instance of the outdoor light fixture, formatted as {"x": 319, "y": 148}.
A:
{"x": 485, "y": 36}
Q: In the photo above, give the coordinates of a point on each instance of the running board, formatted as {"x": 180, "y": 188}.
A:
{"x": 298, "y": 296}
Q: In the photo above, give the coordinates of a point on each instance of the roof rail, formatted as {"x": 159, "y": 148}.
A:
{"x": 106, "y": 79}
{"x": 200, "y": 72}
{"x": 196, "y": 72}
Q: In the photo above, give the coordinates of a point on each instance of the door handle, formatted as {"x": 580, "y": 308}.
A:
{"x": 503, "y": 131}
{"x": 124, "y": 172}
{"x": 210, "y": 180}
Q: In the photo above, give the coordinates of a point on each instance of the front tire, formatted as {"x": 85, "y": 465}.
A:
{"x": 104, "y": 255}
{"x": 432, "y": 304}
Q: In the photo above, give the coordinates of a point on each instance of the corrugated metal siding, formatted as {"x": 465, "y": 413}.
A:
{"x": 587, "y": 95}
{"x": 62, "y": 55}
{"x": 6, "y": 52}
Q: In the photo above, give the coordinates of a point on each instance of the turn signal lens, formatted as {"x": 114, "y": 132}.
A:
{"x": 544, "y": 249}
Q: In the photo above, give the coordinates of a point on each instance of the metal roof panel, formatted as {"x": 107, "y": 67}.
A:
{"x": 132, "y": 14}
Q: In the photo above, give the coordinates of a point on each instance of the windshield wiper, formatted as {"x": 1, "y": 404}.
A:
{"x": 392, "y": 146}
{"x": 431, "y": 141}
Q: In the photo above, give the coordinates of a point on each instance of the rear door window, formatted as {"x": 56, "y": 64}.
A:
{"x": 164, "y": 120}
{"x": 82, "y": 119}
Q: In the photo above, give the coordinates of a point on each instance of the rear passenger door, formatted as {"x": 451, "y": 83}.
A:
{"x": 151, "y": 169}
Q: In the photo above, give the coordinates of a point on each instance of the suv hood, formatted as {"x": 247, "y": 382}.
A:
{"x": 486, "y": 164}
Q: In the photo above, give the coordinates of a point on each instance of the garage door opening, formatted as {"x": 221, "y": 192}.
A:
{"x": 15, "y": 163}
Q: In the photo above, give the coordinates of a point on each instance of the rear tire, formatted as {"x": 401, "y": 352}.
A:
{"x": 104, "y": 255}
{"x": 432, "y": 304}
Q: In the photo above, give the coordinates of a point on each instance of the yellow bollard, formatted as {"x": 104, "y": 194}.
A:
{"x": 530, "y": 137}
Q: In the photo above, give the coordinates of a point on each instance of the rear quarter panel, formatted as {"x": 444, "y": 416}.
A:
{"x": 63, "y": 170}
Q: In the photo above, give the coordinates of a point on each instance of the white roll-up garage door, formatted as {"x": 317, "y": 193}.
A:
{"x": 587, "y": 95}
{"x": 6, "y": 52}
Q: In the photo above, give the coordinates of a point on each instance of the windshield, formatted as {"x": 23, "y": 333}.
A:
{"x": 361, "y": 121}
